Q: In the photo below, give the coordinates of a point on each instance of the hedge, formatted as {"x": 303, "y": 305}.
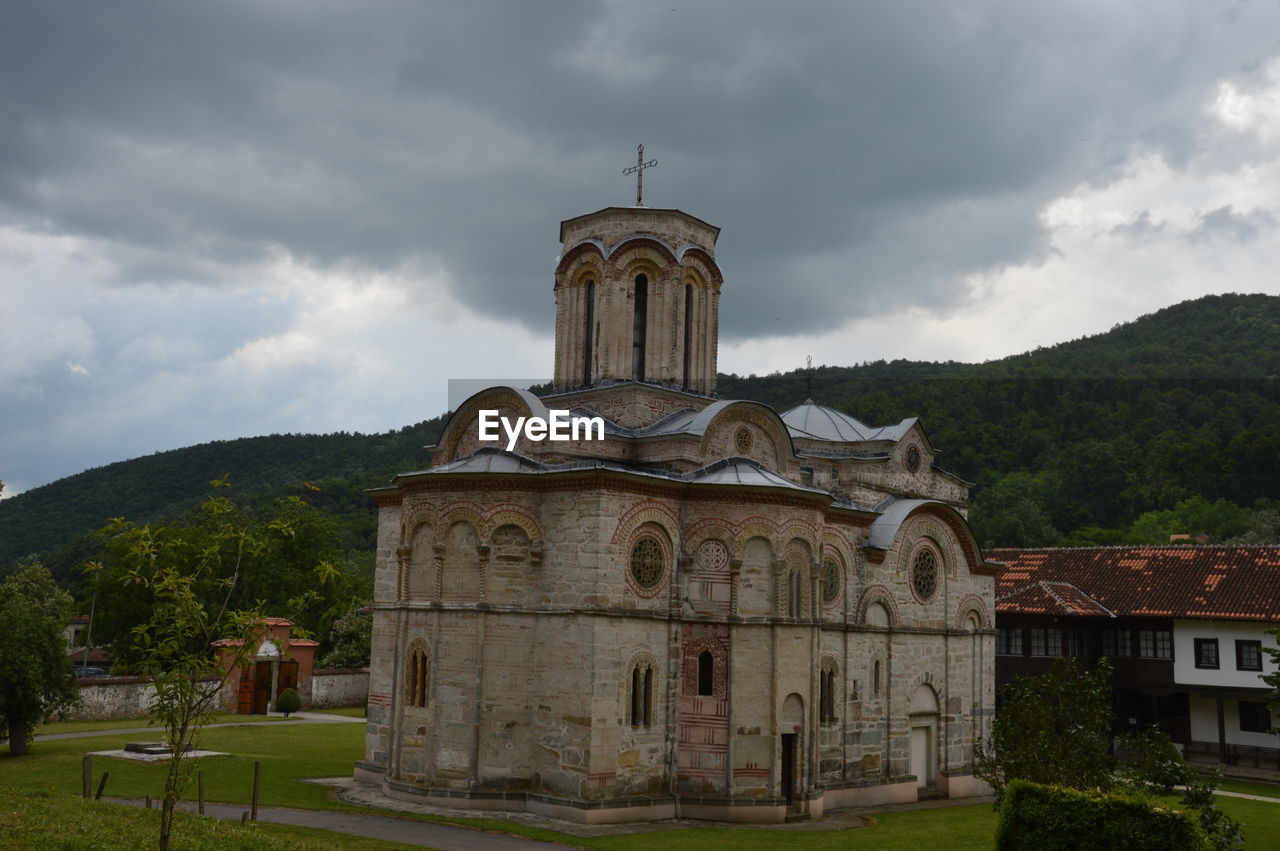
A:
{"x": 1047, "y": 818}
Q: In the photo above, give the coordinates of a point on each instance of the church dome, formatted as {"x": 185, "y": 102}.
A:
{"x": 819, "y": 422}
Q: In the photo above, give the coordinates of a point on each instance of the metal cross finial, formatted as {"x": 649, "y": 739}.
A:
{"x": 638, "y": 171}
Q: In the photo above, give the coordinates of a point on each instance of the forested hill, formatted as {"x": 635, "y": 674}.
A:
{"x": 331, "y": 470}
{"x": 1167, "y": 422}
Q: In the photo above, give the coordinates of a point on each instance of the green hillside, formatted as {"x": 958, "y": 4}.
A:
{"x": 1169, "y": 421}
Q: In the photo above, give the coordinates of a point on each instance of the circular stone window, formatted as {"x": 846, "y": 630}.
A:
{"x": 647, "y": 563}
{"x": 924, "y": 575}
{"x": 830, "y": 581}
{"x": 742, "y": 439}
{"x": 913, "y": 459}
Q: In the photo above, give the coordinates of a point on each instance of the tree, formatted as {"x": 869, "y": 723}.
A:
{"x": 1052, "y": 728}
{"x": 37, "y": 680}
{"x": 351, "y": 637}
{"x": 191, "y": 574}
{"x": 1055, "y": 729}
{"x": 1010, "y": 514}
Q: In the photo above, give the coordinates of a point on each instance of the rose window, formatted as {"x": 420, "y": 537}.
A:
{"x": 647, "y": 563}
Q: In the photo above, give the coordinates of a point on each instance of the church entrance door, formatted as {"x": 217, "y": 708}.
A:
{"x": 789, "y": 742}
{"x": 921, "y": 764}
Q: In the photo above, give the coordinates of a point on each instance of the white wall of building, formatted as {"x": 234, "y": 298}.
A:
{"x": 1204, "y": 724}
{"x": 1185, "y": 632}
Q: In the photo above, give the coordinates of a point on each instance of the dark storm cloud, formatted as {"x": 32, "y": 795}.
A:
{"x": 1225, "y": 223}
{"x": 857, "y": 156}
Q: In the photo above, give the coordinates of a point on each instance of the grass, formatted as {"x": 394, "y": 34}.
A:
{"x": 52, "y": 772}
{"x": 1269, "y": 790}
{"x": 133, "y": 723}
{"x": 27, "y": 814}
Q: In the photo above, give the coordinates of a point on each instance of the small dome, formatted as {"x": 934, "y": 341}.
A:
{"x": 822, "y": 423}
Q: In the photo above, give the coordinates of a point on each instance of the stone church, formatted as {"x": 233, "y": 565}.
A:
{"x": 709, "y": 611}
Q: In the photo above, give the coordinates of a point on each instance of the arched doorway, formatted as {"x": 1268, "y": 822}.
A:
{"x": 923, "y": 722}
{"x": 792, "y": 747}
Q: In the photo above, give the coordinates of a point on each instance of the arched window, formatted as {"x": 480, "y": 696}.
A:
{"x": 706, "y": 673}
{"x": 793, "y": 593}
{"x": 875, "y": 682}
{"x": 418, "y": 680}
{"x": 827, "y": 694}
{"x": 588, "y": 332}
{"x": 640, "y": 327}
{"x": 688, "y": 332}
{"x": 641, "y": 695}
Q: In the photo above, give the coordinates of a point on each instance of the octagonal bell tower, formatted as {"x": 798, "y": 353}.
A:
{"x": 637, "y": 299}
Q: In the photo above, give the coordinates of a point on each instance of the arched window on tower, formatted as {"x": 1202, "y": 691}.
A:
{"x": 588, "y": 332}
{"x": 640, "y": 327}
{"x": 706, "y": 673}
{"x": 688, "y": 333}
{"x": 419, "y": 676}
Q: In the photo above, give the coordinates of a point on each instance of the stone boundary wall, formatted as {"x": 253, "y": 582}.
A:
{"x": 333, "y": 687}
{"x": 109, "y": 698}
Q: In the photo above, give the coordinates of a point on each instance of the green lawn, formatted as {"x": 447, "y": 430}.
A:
{"x": 27, "y": 815}
{"x": 1270, "y": 790}
{"x": 132, "y": 723}
{"x": 52, "y": 773}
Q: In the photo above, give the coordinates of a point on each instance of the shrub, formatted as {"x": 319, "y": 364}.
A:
{"x": 1048, "y": 818}
{"x": 288, "y": 701}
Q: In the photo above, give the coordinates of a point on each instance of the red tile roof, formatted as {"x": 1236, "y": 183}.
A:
{"x": 1215, "y": 583}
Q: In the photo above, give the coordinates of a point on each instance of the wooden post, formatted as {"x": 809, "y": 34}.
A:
{"x": 200, "y": 784}
{"x": 244, "y": 817}
{"x": 102, "y": 785}
{"x": 86, "y": 775}
{"x": 257, "y": 776}
{"x": 148, "y": 800}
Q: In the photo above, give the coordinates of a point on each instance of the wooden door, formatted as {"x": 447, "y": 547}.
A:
{"x": 244, "y": 690}
{"x": 261, "y": 688}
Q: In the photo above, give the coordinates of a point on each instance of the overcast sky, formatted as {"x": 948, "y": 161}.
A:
{"x": 223, "y": 219}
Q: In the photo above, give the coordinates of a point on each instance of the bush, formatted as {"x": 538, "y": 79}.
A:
{"x": 288, "y": 701}
{"x": 1047, "y": 818}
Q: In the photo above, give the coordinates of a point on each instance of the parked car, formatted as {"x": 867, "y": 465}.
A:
{"x": 87, "y": 671}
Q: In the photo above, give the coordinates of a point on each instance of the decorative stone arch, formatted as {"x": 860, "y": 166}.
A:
{"x": 649, "y": 511}
{"x": 634, "y": 550}
{"x": 654, "y": 251}
{"x": 833, "y": 576}
{"x": 882, "y": 595}
{"x": 758, "y": 527}
{"x": 512, "y": 515}
{"x": 709, "y": 586}
{"x": 455, "y": 513}
{"x": 690, "y": 652}
{"x": 695, "y": 259}
{"x": 926, "y": 530}
{"x": 639, "y": 694}
{"x": 755, "y": 414}
{"x": 794, "y": 593}
{"x": 692, "y": 537}
{"x": 416, "y": 554}
{"x": 588, "y": 251}
{"x": 918, "y": 684}
{"x": 462, "y": 429}
{"x": 458, "y": 579}
{"x": 972, "y": 604}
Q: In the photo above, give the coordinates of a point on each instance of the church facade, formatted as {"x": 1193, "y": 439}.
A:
{"x": 710, "y": 611}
